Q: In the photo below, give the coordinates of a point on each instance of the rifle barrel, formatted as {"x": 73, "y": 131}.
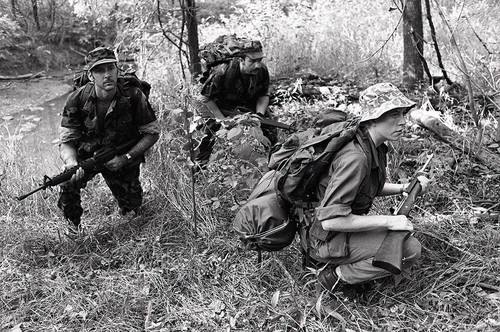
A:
{"x": 20, "y": 198}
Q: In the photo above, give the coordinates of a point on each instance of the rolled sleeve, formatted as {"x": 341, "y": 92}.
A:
{"x": 151, "y": 128}
{"x": 346, "y": 175}
{"x": 67, "y": 135}
{"x": 145, "y": 115}
{"x": 329, "y": 212}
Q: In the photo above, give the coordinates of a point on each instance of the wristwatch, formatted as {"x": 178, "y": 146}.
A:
{"x": 129, "y": 158}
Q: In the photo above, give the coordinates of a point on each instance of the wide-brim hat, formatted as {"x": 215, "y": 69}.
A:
{"x": 99, "y": 56}
{"x": 381, "y": 98}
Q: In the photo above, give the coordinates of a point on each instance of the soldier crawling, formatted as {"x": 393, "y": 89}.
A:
{"x": 241, "y": 83}
{"x": 104, "y": 112}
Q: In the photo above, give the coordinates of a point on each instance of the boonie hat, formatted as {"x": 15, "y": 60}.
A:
{"x": 99, "y": 56}
{"x": 254, "y": 51}
{"x": 382, "y": 98}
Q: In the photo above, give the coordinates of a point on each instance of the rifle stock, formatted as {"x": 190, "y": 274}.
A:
{"x": 100, "y": 157}
{"x": 390, "y": 254}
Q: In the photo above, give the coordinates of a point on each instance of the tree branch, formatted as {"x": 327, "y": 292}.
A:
{"x": 479, "y": 38}
{"x": 178, "y": 46}
{"x": 181, "y": 3}
{"x": 387, "y": 40}
{"x": 463, "y": 65}
{"x": 434, "y": 40}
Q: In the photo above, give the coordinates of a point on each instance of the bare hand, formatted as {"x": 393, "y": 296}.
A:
{"x": 79, "y": 174}
{"x": 400, "y": 223}
{"x": 116, "y": 163}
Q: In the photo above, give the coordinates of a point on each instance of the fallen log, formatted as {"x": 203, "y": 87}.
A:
{"x": 427, "y": 118}
{"x": 22, "y": 77}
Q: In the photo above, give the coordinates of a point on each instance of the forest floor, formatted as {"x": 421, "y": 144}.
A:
{"x": 157, "y": 272}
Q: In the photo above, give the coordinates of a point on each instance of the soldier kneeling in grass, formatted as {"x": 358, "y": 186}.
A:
{"x": 342, "y": 234}
{"x": 241, "y": 83}
{"x": 105, "y": 112}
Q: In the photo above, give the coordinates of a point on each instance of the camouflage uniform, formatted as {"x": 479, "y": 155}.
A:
{"x": 230, "y": 89}
{"x": 129, "y": 116}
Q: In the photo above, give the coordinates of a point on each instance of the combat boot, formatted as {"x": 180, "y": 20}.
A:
{"x": 328, "y": 279}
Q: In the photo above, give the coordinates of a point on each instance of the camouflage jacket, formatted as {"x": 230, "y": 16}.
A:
{"x": 229, "y": 88}
{"x": 128, "y": 117}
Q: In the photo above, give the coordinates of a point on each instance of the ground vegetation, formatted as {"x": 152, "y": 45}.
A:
{"x": 180, "y": 266}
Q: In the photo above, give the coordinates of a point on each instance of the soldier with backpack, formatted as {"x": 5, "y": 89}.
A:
{"x": 241, "y": 83}
{"x": 107, "y": 111}
{"x": 322, "y": 183}
{"x": 342, "y": 234}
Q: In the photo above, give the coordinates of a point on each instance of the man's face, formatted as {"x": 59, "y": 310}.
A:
{"x": 251, "y": 66}
{"x": 105, "y": 76}
{"x": 391, "y": 125}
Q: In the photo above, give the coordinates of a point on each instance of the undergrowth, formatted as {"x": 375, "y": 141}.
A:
{"x": 171, "y": 269}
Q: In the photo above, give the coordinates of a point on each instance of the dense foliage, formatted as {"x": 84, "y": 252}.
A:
{"x": 180, "y": 266}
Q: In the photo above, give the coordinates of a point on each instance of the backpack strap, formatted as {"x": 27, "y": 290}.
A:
{"x": 231, "y": 73}
{"x": 305, "y": 212}
{"x": 84, "y": 96}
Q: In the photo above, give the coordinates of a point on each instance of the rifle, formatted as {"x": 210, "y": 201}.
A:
{"x": 94, "y": 163}
{"x": 390, "y": 254}
{"x": 264, "y": 121}
{"x": 205, "y": 112}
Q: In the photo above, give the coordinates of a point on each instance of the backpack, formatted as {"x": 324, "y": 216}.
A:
{"x": 270, "y": 218}
{"x": 221, "y": 50}
{"x": 263, "y": 222}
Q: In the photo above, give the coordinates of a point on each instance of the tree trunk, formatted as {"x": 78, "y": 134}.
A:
{"x": 193, "y": 43}
{"x": 413, "y": 33}
{"x": 34, "y": 4}
{"x": 425, "y": 117}
{"x": 13, "y": 7}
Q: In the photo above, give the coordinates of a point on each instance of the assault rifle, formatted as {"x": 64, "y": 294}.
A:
{"x": 390, "y": 254}
{"x": 93, "y": 164}
{"x": 205, "y": 112}
{"x": 264, "y": 121}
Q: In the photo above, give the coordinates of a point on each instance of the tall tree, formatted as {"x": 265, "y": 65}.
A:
{"x": 413, "y": 33}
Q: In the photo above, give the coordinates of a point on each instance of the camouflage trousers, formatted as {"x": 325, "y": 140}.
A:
{"x": 124, "y": 184}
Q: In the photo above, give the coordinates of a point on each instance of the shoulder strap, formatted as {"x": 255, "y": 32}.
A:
{"x": 231, "y": 73}
{"x": 84, "y": 96}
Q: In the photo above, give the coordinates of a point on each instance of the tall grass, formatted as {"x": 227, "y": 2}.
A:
{"x": 156, "y": 272}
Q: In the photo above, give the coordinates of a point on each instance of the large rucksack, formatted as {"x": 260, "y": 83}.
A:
{"x": 270, "y": 218}
{"x": 222, "y": 50}
{"x": 128, "y": 78}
